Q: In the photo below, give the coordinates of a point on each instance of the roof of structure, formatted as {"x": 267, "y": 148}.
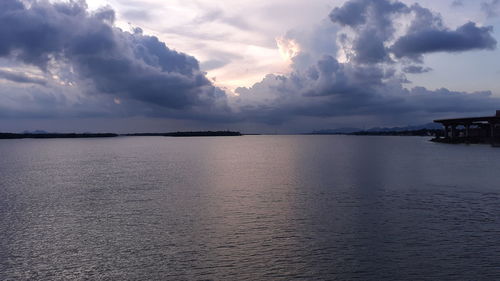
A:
{"x": 492, "y": 119}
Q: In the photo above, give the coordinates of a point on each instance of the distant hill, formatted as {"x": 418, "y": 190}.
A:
{"x": 428, "y": 126}
{"x": 340, "y": 131}
{"x": 425, "y": 129}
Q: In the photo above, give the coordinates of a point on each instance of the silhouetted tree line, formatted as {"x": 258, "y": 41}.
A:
{"x": 191, "y": 134}
{"x": 55, "y": 135}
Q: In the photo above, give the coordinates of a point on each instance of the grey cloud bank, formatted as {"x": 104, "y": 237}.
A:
{"x": 87, "y": 51}
{"x": 368, "y": 84}
{"x": 466, "y": 37}
{"x": 374, "y": 25}
{"x": 104, "y": 72}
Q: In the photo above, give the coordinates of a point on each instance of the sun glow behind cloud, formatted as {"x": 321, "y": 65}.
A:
{"x": 255, "y": 62}
{"x": 206, "y": 28}
{"x": 288, "y": 48}
{"x": 282, "y": 58}
{"x": 244, "y": 46}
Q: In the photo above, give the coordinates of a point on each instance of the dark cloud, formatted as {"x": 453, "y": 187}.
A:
{"x": 101, "y": 71}
{"x": 457, "y": 3}
{"x": 333, "y": 89}
{"x": 352, "y": 13}
{"x": 104, "y": 59}
{"x": 428, "y": 34}
{"x": 465, "y": 38}
{"x": 43, "y": 102}
{"x": 368, "y": 86}
{"x": 416, "y": 69}
{"x": 373, "y": 22}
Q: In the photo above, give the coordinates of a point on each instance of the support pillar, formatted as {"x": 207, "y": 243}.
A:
{"x": 446, "y": 131}
{"x": 453, "y": 132}
{"x": 467, "y": 133}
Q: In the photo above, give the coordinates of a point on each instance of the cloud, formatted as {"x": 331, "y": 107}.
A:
{"x": 346, "y": 66}
{"x": 213, "y": 64}
{"x": 137, "y": 14}
{"x": 88, "y": 51}
{"x": 333, "y": 89}
{"x": 306, "y": 45}
{"x": 371, "y": 20}
{"x": 374, "y": 25}
{"x": 490, "y": 8}
{"x": 465, "y": 38}
{"x": 367, "y": 84}
{"x": 20, "y": 77}
{"x": 416, "y": 69}
{"x": 218, "y": 15}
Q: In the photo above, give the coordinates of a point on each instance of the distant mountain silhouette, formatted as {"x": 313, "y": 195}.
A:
{"x": 357, "y": 131}
{"x": 339, "y": 131}
{"x": 428, "y": 126}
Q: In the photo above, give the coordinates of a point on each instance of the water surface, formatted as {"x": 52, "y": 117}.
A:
{"x": 248, "y": 208}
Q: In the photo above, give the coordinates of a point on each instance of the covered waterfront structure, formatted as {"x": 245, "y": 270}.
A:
{"x": 471, "y": 130}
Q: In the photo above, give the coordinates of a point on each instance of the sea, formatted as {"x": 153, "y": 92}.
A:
{"x": 249, "y": 208}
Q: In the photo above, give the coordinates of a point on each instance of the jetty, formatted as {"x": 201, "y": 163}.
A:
{"x": 470, "y": 130}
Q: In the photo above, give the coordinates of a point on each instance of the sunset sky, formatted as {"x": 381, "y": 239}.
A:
{"x": 283, "y": 66}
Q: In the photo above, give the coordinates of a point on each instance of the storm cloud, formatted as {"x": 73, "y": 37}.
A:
{"x": 85, "y": 48}
{"x": 465, "y": 38}
{"x": 374, "y": 23}
{"x": 353, "y": 65}
{"x": 332, "y": 89}
{"x": 367, "y": 84}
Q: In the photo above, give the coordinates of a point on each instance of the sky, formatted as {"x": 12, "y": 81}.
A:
{"x": 286, "y": 66}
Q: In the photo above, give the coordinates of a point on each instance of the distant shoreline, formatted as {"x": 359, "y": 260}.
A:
{"x": 405, "y": 133}
{"x": 189, "y": 134}
{"x": 56, "y": 136}
{"x": 112, "y": 135}
{"x": 422, "y": 133}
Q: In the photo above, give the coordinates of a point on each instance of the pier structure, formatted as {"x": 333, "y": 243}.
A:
{"x": 471, "y": 130}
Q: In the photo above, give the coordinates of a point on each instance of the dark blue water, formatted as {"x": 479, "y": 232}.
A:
{"x": 249, "y": 208}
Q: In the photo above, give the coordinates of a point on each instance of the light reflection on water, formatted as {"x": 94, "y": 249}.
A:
{"x": 248, "y": 208}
